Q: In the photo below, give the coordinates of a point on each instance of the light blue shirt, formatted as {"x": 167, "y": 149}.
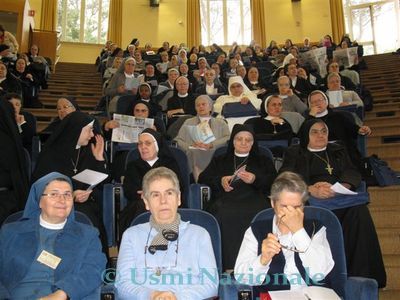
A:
{"x": 188, "y": 267}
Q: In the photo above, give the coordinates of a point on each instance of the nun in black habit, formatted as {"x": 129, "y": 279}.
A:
{"x": 322, "y": 164}
{"x": 14, "y": 183}
{"x": 71, "y": 149}
{"x": 240, "y": 182}
{"x": 153, "y": 153}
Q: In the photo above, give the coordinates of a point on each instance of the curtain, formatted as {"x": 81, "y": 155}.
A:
{"x": 48, "y": 18}
{"x": 193, "y": 23}
{"x": 114, "y": 32}
{"x": 337, "y": 19}
{"x": 258, "y": 21}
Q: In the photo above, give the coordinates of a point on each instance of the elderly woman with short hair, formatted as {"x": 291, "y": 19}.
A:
{"x": 200, "y": 152}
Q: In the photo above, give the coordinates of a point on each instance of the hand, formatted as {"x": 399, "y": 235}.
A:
{"x": 98, "y": 149}
{"x": 154, "y": 128}
{"x": 290, "y": 92}
{"x": 19, "y": 119}
{"x": 277, "y": 121}
{"x": 321, "y": 190}
{"x": 269, "y": 248}
{"x": 344, "y": 103}
{"x": 160, "y": 295}
{"x": 247, "y": 177}
{"x": 172, "y": 112}
{"x": 57, "y": 295}
{"x": 291, "y": 218}
{"x": 313, "y": 111}
{"x": 81, "y": 196}
{"x": 202, "y": 145}
{"x": 244, "y": 100}
{"x": 134, "y": 91}
{"x": 121, "y": 89}
{"x": 111, "y": 125}
{"x": 364, "y": 130}
{"x": 225, "y": 182}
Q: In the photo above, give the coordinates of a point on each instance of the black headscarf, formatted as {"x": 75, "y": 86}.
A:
{"x": 304, "y": 131}
{"x": 12, "y": 156}
{"x": 60, "y": 148}
{"x": 163, "y": 149}
{"x": 235, "y": 130}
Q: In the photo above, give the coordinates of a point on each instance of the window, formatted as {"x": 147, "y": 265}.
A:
{"x": 83, "y": 21}
{"x": 225, "y": 21}
{"x": 367, "y": 21}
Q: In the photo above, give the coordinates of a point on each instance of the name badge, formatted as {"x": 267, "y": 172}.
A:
{"x": 49, "y": 259}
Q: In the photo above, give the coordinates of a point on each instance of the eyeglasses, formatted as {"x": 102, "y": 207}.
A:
{"x": 141, "y": 110}
{"x": 160, "y": 269}
{"x": 56, "y": 195}
{"x": 323, "y": 131}
{"x": 241, "y": 139}
{"x": 293, "y": 249}
{"x": 146, "y": 143}
{"x": 64, "y": 107}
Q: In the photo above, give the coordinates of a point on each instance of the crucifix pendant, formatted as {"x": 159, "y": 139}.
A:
{"x": 158, "y": 271}
{"x": 75, "y": 170}
{"x": 329, "y": 169}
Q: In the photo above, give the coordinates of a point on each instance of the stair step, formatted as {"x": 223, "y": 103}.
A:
{"x": 382, "y": 120}
{"x": 392, "y": 267}
{"x": 389, "y": 294}
{"x": 384, "y": 196}
{"x": 386, "y": 218}
{"x": 384, "y": 149}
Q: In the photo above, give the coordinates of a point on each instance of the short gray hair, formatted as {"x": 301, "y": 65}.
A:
{"x": 156, "y": 174}
{"x": 289, "y": 182}
{"x": 205, "y": 97}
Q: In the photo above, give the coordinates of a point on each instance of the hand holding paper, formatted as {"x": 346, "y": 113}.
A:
{"x": 90, "y": 177}
{"x": 340, "y": 189}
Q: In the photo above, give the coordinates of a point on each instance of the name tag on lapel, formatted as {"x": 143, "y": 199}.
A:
{"x": 49, "y": 259}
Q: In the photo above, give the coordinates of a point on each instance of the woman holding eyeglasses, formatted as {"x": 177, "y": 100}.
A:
{"x": 165, "y": 258}
{"x": 47, "y": 254}
{"x": 153, "y": 153}
{"x": 322, "y": 165}
{"x": 286, "y": 245}
{"x": 240, "y": 180}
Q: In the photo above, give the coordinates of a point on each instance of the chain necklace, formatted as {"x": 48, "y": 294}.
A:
{"x": 240, "y": 165}
{"x": 75, "y": 164}
{"x": 328, "y": 165}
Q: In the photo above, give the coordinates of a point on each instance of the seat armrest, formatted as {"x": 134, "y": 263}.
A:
{"x": 361, "y": 288}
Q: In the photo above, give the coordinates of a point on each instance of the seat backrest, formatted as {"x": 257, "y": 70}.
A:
{"x": 338, "y": 275}
{"x": 200, "y": 218}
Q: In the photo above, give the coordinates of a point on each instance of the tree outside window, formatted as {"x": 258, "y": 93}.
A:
{"x": 83, "y": 21}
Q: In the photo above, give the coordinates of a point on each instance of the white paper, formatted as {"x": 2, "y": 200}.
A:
{"x": 90, "y": 177}
{"x": 340, "y": 189}
{"x": 131, "y": 83}
{"x": 346, "y": 57}
{"x": 335, "y": 98}
{"x": 201, "y": 133}
{"x": 129, "y": 128}
{"x": 306, "y": 293}
{"x": 317, "y": 59}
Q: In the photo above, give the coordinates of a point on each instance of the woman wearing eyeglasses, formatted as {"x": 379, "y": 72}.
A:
{"x": 154, "y": 153}
{"x": 165, "y": 258}
{"x": 286, "y": 246}
{"x": 47, "y": 253}
{"x": 323, "y": 164}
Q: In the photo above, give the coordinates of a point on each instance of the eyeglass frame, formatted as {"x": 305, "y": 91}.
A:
{"x": 294, "y": 249}
{"x": 55, "y": 195}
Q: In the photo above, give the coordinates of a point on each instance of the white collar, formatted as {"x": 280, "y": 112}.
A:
{"x": 253, "y": 82}
{"x": 183, "y": 96}
{"x": 129, "y": 75}
{"x": 51, "y": 226}
{"x": 269, "y": 118}
{"x": 144, "y": 100}
{"x": 241, "y": 155}
{"x": 152, "y": 162}
{"x": 283, "y": 96}
{"x": 316, "y": 150}
{"x": 202, "y": 119}
{"x": 324, "y": 113}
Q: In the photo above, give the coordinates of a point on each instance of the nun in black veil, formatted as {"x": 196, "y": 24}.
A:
{"x": 14, "y": 182}
{"x": 240, "y": 182}
{"x": 71, "y": 149}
